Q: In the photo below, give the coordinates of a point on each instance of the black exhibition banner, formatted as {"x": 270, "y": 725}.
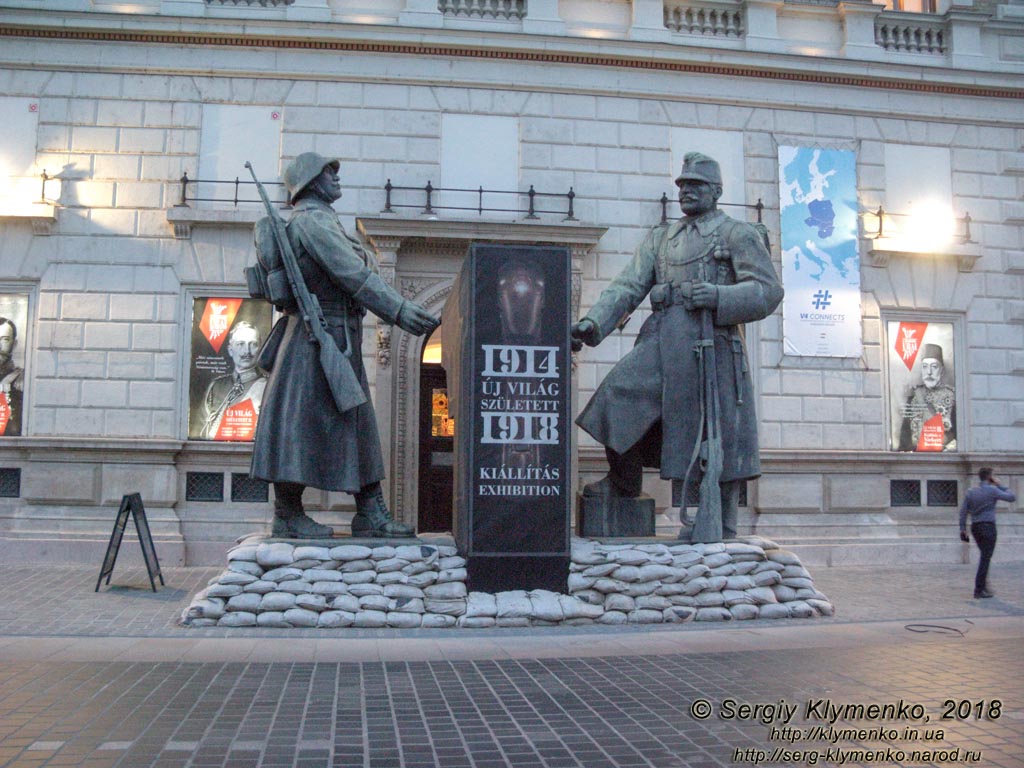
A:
{"x": 521, "y": 389}
{"x": 513, "y": 465}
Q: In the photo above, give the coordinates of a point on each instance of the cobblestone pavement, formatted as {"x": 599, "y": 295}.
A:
{"x": 109, "y": 679}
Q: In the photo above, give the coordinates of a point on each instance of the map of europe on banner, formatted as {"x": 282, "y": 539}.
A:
{"x": 820, "y": 260}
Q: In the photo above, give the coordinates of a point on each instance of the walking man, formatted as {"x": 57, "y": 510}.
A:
{"x": 980, "y": 504}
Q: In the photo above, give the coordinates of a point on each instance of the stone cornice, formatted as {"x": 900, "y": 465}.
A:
{"x": 523, "y": 48}
{"x": 72, "y": 449}
{"x": 125, "y": 450}
{"x": 43, "y": 217}
{"x": 881, "y": 250}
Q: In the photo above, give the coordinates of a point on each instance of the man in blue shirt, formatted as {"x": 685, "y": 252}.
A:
{"x": 980, "y": 504}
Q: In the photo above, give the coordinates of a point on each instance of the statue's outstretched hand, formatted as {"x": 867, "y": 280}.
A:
{"x": 705, "y": 295}
{"x": 415, "y": 319}
{"x": 583, "y": 332}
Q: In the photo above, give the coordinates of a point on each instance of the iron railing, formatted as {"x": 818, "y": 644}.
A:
{"x": 238, "y": 189}
{"x": 758, "y": 206}
{"x": 429, "y": 207}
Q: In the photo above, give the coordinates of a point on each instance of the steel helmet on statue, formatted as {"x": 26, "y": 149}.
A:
{"x": 303, "y": 169}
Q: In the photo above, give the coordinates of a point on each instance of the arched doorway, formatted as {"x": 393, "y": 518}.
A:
{"x": 436, "y": 443}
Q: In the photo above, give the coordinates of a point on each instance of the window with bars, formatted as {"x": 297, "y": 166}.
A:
{"x": 942, "y": 493}
{"x": 245, "y": 488}
{"x": 10, "y": 483}
{"x": 905, "y": 493}
{"x": 204, "y": 486}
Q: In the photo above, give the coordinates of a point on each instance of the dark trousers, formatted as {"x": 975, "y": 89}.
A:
{"x": 985, "y": 536}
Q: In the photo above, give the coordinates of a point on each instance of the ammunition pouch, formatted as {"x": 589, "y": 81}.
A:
{"x": 665, "y": 295}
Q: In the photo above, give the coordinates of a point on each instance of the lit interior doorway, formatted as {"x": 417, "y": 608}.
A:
{"x": 437, "y": 442}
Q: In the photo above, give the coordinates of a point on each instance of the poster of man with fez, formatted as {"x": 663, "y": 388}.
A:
{"x": 922, "y": 386}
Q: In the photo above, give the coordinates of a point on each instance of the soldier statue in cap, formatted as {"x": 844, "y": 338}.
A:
{"x": 929, "y": 414}
{"x": 706, "y": 275}
{"x": 301, "y": 437}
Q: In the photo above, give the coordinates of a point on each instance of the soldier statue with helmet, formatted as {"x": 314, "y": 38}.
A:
{"x": 686, "y": 380}
{"x": 302, "y": 437}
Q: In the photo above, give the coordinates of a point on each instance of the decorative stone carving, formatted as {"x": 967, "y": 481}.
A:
{"x": 384, "y": 345}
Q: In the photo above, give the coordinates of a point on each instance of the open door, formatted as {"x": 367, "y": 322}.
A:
{"x": 437, "y": 445}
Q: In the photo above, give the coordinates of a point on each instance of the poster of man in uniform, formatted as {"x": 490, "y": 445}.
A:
{"x": 225, "y": 382}
{"x": 13, "y": 323}
{"x": 922, "y": 386}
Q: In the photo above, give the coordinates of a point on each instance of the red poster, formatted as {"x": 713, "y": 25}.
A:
{"x": 5, "y": 413}
{"x": 238, "y": 422}
{"x": 908, "y": 342}
{"x": 933, "y": 435}
{"x": 217, "y": 319}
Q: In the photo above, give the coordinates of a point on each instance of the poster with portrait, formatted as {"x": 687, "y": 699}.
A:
{"x": 922, "y": 386}
{"x": 225, "y": 383}
{"x": 13, "y": 326}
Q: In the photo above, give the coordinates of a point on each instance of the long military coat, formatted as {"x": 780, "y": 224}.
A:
{"x": 301, "y": 437}
{"x": 651, "y": 397}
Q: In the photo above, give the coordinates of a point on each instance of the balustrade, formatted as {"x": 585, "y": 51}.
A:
{"x": 910, "y": 35}
{"x": 504, "y": 10}
{"x": 264, "y": 3}
{"x": 705, "y": 19}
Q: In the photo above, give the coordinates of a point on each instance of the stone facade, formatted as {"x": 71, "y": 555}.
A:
{"x": 110, "y": 261}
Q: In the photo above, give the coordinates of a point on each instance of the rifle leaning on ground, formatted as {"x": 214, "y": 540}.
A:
{"x": 345, "y": 387}
{"x": 707, "y": 527}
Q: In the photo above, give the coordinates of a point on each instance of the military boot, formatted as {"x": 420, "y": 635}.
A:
{"x": 290, "y": 519}
{"x": 373, "y": 518}
{"x": 624, "y": 478}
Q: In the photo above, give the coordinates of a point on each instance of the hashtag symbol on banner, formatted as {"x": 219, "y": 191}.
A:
{"x": 822, "y": 299}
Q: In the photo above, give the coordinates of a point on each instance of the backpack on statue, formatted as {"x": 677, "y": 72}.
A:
{"x": 267, "y": 278}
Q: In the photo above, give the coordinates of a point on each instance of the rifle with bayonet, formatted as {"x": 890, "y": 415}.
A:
{"x": 341, "y": 378}
{"x": 707, "y": 527}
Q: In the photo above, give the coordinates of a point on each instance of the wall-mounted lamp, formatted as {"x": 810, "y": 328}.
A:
{"x": 928, "y": 227}
{"x": 42, "y": 190}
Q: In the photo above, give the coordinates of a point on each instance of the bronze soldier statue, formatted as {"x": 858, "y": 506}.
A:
{"x": 682, "y": 398}
{"x": 302, "y": 438}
